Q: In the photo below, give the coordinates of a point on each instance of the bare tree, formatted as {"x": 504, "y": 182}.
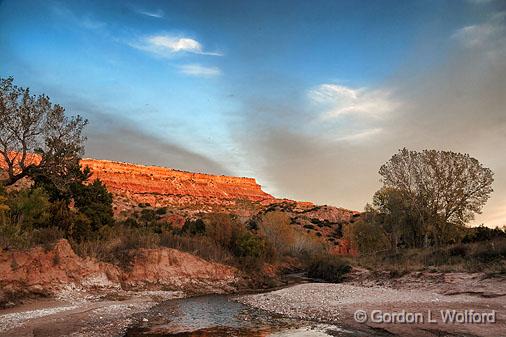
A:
{"x": 36, "y": 138}
{"x": 446, "y": 187}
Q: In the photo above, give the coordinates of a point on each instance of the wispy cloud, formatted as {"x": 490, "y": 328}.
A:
{"x": 158, "y": 13}
{"x": 199, "y": 70}
{"x": 86, "y": 21}
{"x": 167, "y": 45}
{"x": 478, "y": 35}
{"x": 479, "y": 2}
{"x": 361, "y": 135}
{"x": 337, "y": 100}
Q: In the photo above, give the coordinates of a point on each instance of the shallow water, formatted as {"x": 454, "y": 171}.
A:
{"x": 217, "y": 315}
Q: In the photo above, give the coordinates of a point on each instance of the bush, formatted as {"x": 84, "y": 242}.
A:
{"x": 199, "y": 245}
{"x": 328, "y": 268}
{"x": 482, "y": 233}
{"x": 224, "y": 229}
{"x": 369, "y": 238}
{"x": 30, "y": 208}
{"x": 161, "y": 211}
{"x": 12, "y": 236}
{"x": 252, "y": 251}
{"x": 95, "y": 202}
{"x": 116, "y": 244}
{"x": 250, "y": 245}
{"x": 46, "y": 237}
{"x": 194, "y": 227}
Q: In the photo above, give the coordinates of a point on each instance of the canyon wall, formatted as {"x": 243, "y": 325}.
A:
{"x": 160, "y": 187}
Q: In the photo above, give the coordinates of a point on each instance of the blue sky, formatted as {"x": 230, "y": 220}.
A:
{"x": 270, "y": 89}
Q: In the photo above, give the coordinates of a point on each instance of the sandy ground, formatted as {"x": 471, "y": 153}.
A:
{"x": 338, "y": 303}
{"x": 91, "y": 316}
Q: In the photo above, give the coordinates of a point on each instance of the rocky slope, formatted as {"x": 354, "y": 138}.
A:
{"x": 186, "y": 194}
{"x": 161, "y": 187}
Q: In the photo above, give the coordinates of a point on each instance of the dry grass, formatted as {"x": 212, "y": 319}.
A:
{"x": 487, "y": 256}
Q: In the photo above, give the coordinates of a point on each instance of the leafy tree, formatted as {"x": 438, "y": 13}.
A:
{"x": 444, "y": 189}
{"x": 31, "y": 124}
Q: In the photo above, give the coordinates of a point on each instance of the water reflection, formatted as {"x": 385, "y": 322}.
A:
{"x": 217, "y": 316}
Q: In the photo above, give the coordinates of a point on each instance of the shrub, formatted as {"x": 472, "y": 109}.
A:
{"x": 482, "y": 233}
{"x": 95, "y": 202}
{"x": 12, "y": 236}
{"x": 250, "y": 245}
{"x": 161, "y": 211}
{"x": 252, "y": 251}
{"x": 29, "y": 208}
{"x": 46, "y": 237}
{"x": 223, "y": 229}
{"x": 328, "y": 268}
{"x": 199, "y": 245}
{"x": 194, "y": 227}
{"x": 116, "y": 244}
{"x": 369, "y": 238}
{"x": 148, "y": 215}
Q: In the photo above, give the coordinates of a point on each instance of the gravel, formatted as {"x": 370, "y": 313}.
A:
{"x": 325, "y": 302}
{"x": 17, "y": 319}
{"x": 87, "y": 315}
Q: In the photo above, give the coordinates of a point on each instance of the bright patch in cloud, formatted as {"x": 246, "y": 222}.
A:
{"x": 199, "y": 70}
{"x": 167, "y": 45}
{"x": 337, "y": 100}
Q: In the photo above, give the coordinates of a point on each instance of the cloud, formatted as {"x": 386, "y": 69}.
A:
{"x": 199, "y": 70}
{"x": 167, "y": 45}
{"x": 360, "y": 136}
{"x": 154, "y": 14}
{"x": 478, "y": 35}
{"x": 338, "y": 100}
{"x": 457, "y": 103}
{"x": 86, "y": 21}
{"x": 479, "y": 2}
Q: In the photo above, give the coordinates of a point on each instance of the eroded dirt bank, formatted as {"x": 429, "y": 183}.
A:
{"x": 56, "y": 293}
{"x": 49, "y": 272}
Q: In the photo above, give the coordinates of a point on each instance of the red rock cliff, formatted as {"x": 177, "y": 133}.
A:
{"x": 133, "y": 184}
{"x": 161, "y": 186}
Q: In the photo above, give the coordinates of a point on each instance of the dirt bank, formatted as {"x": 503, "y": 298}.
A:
{"x": 50, "y": 273}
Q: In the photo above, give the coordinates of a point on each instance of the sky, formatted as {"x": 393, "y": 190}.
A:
{"x": 308, "y": 97}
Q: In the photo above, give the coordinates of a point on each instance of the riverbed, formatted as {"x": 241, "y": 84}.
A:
{"x": 222, "y": 315}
